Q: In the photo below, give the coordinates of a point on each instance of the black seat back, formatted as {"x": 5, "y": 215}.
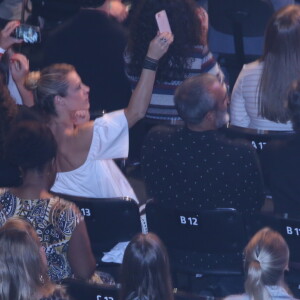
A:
{"x": 252, "y": 15}
{"x": 289, "y": 228}
{"x": 258, "y": 138}
{"x": 239, "y": 18}
{"x": 207, "y": 231}
{"x": 109, "y": 220}
{"x": 79, "y": 290}
{"x": 206, "y": 242}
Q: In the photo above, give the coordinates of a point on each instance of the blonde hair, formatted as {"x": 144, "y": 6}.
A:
{"x": 23, "y": 274}
{"x": 48, "y": 83}
{"x": 266, "y": 258}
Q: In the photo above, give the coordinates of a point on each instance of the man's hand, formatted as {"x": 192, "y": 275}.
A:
{"x": 5, "y": 39}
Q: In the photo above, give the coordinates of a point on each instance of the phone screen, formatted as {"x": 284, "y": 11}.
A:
{"x": 162, "y": 21}
{"x": 28, "y": 33}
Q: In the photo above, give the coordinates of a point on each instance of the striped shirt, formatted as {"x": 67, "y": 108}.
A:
{"x": 162, "y": 105}
{"x": 244, "y": 101}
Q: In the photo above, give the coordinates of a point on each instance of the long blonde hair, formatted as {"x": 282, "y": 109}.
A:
{"x": 266, "y": 259}
{"x": 23, "y": 273}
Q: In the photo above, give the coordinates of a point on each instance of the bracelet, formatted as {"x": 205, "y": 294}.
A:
{"x": 2, "y": 51}
{"x": 151, "y": 59}
{"x": 150, "y": 63}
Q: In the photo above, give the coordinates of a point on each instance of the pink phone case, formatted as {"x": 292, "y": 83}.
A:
{"x": 162, "y": 21}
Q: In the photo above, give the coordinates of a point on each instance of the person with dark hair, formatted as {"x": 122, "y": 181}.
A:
{"x": 23, "y": 264}
{"x": 195, "y": 167}
{"x": 260, "y": 92}
{"x": 93, "y": 40}
{"x": 266, "y": 259}
{"x": 86, "y": 152}
{"x": 32, "y": 148}
{"x": 9, "y": 174}
{"x": 145, "y": 271}
{"x": 188, "y": 56}
{"x": 8, "y": 111}
{"x": 281, "y": 162}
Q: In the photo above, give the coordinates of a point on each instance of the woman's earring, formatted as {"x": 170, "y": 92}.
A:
{"x": 42, "y": 280}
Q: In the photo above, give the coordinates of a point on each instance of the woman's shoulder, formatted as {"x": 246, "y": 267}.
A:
{"x": 7, "y": 199}
{"x": 110, "y": 118}
{"x": 108, "y": 131}
{"x": 251, "y": 71}
{"x": 3, "y": 191}
{"x": 107, "y": 125}
{"x": 255, "y": 65}
{"x": 62, "y": 205}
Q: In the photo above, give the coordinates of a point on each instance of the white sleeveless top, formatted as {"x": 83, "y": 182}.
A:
{"x": 99, "y": 176}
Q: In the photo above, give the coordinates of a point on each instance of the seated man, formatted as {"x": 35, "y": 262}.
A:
{"x": 195, "y": 167}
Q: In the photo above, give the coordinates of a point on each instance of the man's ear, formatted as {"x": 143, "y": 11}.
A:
{"x": 286, "y": 268}
{"x": 210, "y": 116}
{"x": 58, "y": 100}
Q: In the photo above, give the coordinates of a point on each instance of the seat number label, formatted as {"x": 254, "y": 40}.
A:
{"x": 188, "y": 221}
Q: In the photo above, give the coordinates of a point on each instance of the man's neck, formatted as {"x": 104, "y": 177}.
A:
{"x": 204, "y": 126}
{"x": 105, "y": 7}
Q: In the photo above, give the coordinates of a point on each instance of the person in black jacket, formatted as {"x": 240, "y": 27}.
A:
{"x": 93, "y": 41}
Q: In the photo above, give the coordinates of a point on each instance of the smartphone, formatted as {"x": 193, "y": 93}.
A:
{"x": 162, "y": 21}
{"x": 27, "y": 33}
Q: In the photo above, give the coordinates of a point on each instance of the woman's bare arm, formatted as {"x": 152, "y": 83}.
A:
{"x": 19, "y": 68}
{"x": 141, "y": 96}
{"x": 139, "y": 100}
{"x": 80, "y": 254}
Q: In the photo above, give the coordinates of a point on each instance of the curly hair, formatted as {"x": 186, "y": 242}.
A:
{"x": 185, "y": 26}
{"x": 30, "y": 145}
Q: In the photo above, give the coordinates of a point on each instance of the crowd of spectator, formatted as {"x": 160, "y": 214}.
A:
{"x": 103, "y": 67}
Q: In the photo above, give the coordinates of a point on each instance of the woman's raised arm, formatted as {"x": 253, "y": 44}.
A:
{"x": 141, "y": 96}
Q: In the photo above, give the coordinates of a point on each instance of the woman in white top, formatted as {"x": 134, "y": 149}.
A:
{"x": 85, "y": 151}
{"x": 260, "y": 92}
{"x": 266, "y": 259}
